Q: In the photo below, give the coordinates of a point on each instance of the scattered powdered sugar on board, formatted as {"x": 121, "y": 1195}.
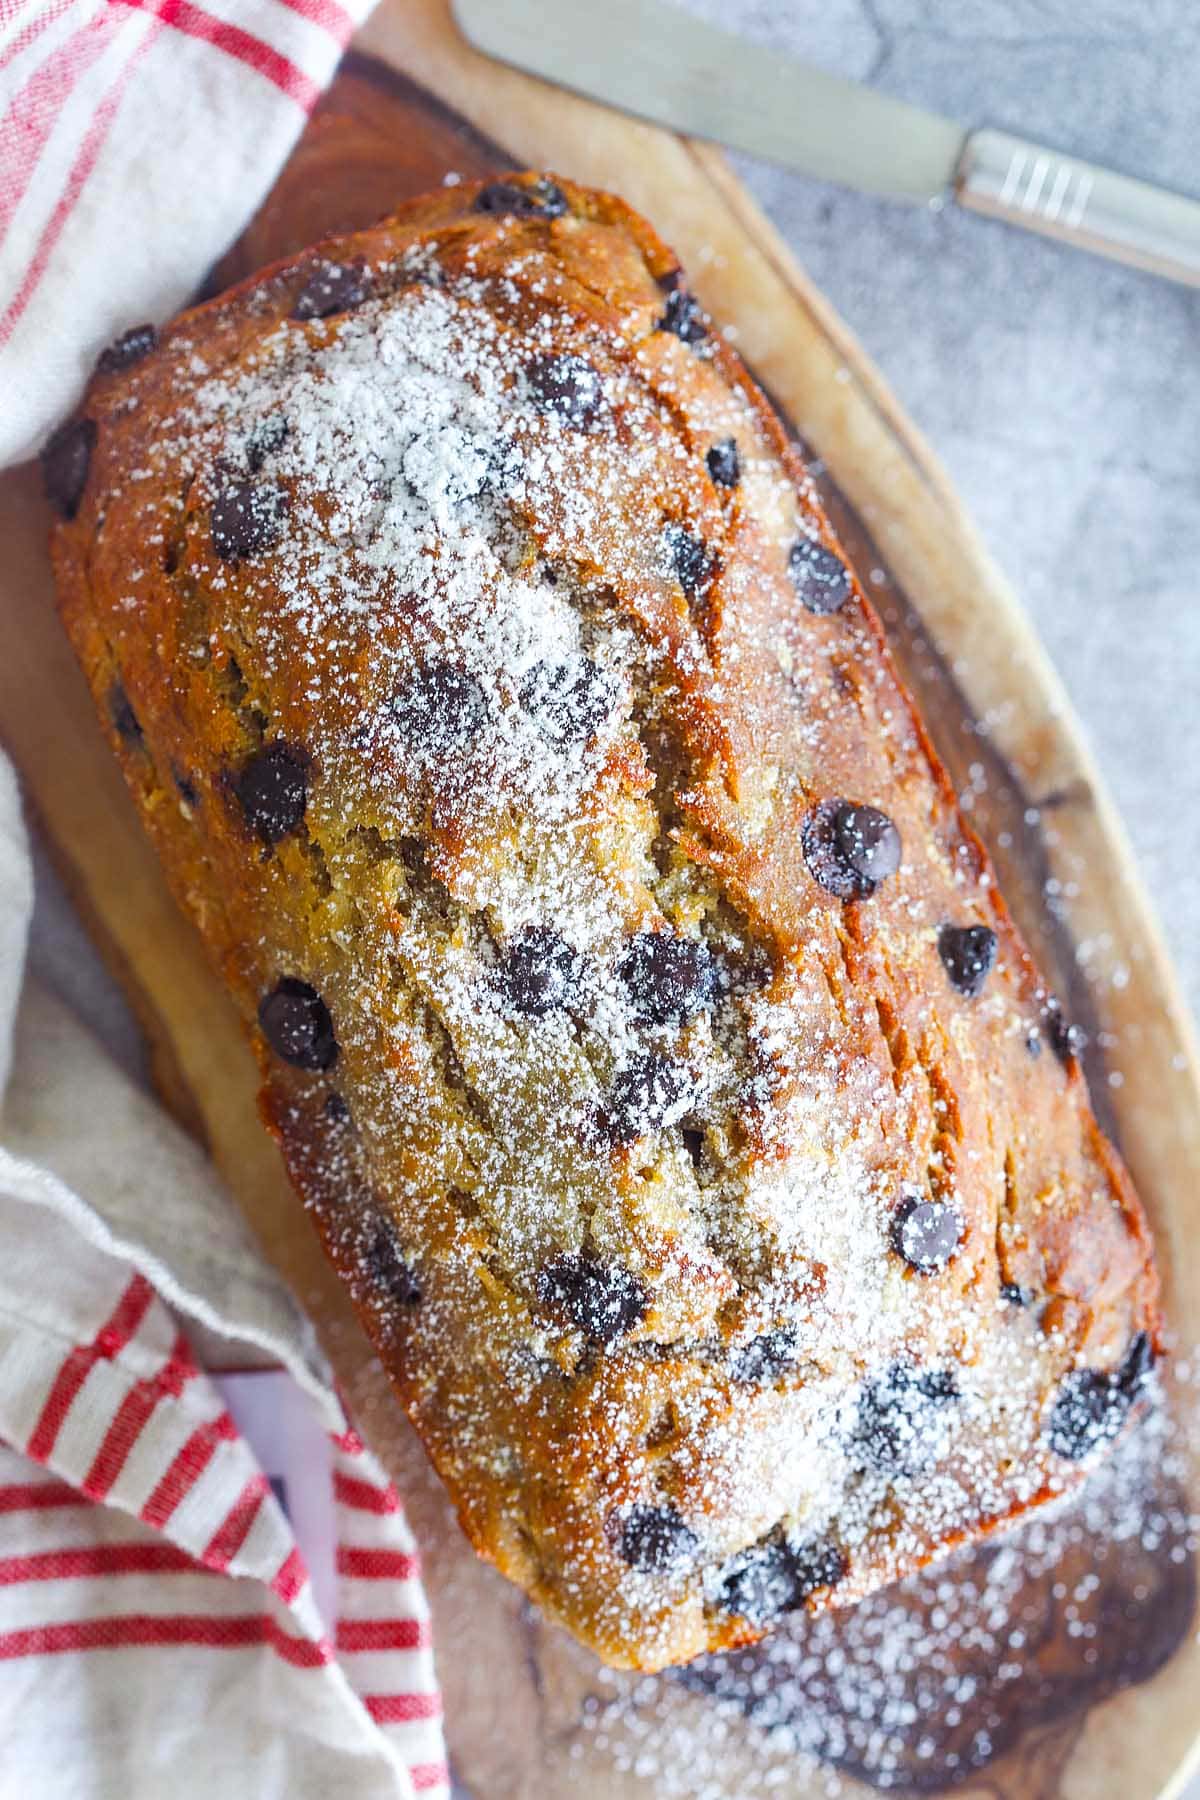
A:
{"x": 926, "y": 1682}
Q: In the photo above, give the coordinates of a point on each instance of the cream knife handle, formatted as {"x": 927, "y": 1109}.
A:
{"x": 1130, "y": 221}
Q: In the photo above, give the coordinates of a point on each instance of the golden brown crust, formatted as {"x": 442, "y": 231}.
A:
{"x": 452, "y": 548}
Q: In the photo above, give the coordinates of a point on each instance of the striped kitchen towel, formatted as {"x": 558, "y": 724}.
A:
{"x": 137, "y": 137}
{"x": 161, "y": 1633}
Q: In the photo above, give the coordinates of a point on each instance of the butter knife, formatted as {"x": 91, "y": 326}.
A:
{"x": 659, "y": 62}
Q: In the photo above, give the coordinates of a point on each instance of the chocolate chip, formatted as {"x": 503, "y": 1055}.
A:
{"x": 1014, "y": 1295}
{"x": 654, "y": 1539}
{"x": 295, "y": 1022}
{"x": 66, "y": 460}
{"x": 818, "y": 1564}
{"x": 387, "y": 1268}
{"x": 668, "y": 977}
{"x": 125, "y": 720}
{"x": 247, "y": 517}
{"x": 1092, "y": 1404}
{"x": 849, "y": 849}
{"x": 868, "y": 844}
{"x": 540, "y": 199}
{"x": 968, "y": 953}
{"x": 760, "y": 1585}
{"x": 926, "y": 1233}
{"x": 441, "y": 708}
{"x": 332, "y": 288}
{"x": 540, "y": 972}
{"x": 601, "y": 1299}
{"x": 186, "y": 788}
{"x": 771, "y": 1579}
{"x": 265, "y": 440}
{"x": 690, "y": 560}
{"x": 903, "y": 1424}
{"x": 683, "y": 316}
{"x": 724, "y": 464}
{"x": 649, "y": 1093}
{"x": 567, "y": 387}
{"x": 568, "y": 701}
{"x": 766, "y": 1358}
{"x": 128, "y": 349}
{"x": 272, "y": 790}
{"x": 1139, "y": 1361}
{"x": 1066, "y": 1041}
{"x": 336, "y": 1109}
{"x": 821, "y": 580}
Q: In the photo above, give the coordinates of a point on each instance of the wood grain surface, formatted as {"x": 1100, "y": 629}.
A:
{"x": 522, "y": 1700}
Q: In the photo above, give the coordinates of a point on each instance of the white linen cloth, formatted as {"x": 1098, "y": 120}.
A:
{"x": 137, "y": 137}
{"x": 158, "y": 1629}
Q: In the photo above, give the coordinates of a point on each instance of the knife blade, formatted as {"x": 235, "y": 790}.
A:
{"x": 663, "y": 64}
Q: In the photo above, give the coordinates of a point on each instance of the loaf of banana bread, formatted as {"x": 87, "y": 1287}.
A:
{"x": 638, "y": 1017}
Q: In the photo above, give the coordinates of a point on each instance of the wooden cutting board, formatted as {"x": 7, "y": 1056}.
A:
{"x": 522, "y": 1701}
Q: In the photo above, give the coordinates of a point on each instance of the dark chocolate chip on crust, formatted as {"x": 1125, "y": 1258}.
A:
{"x": 540, "y": 972}
{"x": 272, "y": 790}
{"x": 566, "y": 387}
{"x": 66, "y": 459}
{"x": 968, "y": 953}
{"x": 904, "y": 1418}
{"x": 1090, "y": 1408}
{"x": 120, "y": 711}
{"x": 1092, "y": 1405}
{"x": 821, "y": 579}
{"x": 771, "y": 1579}
{"x": 332, "y": 288}
{"x": 655, "y": 1539}
{"x": 849, "y": 848}
{"x": 723, "y": 463}
{"x": 387, "y": 1268}
{"x": 1139, "y": 1361}
{"x": 247, "y": 518}
{"x": 336, "y": 1109}
{"x": 568, "y": 701}
{"x": 540, "y": 199}
{"x": 1066, "y": 1040}
{"x": 601, "y": 1299}
{"x": 667, "y": 976}
{"x": 868, "y": 844}
{"x": 691, "y": 561}
{"x": 926, "y": 1233}
{"x": 1013, "y": 1294}
{"x": 648, "y": 1094}
{"x": 767, "y": 1357}
{"x": 126, "y": 350}
{"x": 441, "y": 708}
{"x": 683, "y": 315}
{"x": 265, "y": 440}
{"x": 295, "y": 1022}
